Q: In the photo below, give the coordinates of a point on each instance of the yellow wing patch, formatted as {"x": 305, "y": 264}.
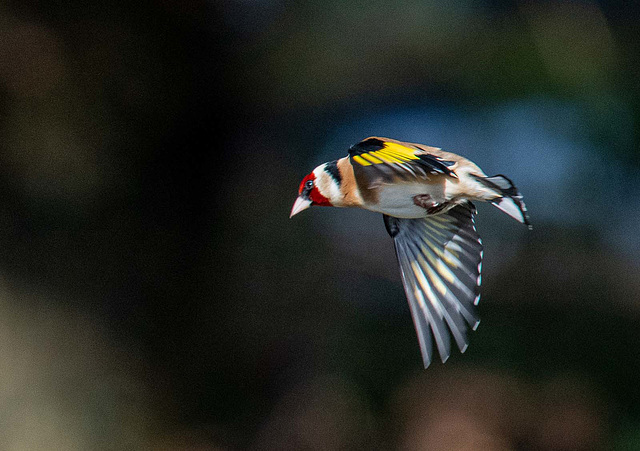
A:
{"x": 361, "y": 161}
{"x": 402, "y": 152}
{"x": 392, "y": 153}
{"x": 371, "y": 158}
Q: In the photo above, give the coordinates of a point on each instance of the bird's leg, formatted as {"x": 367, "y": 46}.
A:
{"x": 428, "y": 203}
{"x": 425, "y": 201}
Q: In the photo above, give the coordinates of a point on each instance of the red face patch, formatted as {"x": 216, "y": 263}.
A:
{"x": 310, "y": 177}
{"x": 309, "y": 190}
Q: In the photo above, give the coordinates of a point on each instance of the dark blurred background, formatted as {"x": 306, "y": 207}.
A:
{"x": 155, "y": 295}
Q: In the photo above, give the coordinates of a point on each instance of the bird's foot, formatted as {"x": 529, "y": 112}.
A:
{"x": 426, "y": 201}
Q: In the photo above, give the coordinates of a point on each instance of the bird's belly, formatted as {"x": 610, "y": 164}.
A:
{"x": 397, "y": 200}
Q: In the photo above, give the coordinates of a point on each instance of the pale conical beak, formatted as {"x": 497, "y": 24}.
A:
{"x": 300, "y": 204}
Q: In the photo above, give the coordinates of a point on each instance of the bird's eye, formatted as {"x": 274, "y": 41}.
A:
{"x": 309, "y": 184}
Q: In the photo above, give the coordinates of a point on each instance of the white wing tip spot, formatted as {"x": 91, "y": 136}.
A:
{"x": 476, "y": 301}
{"x": 475, "y": 326}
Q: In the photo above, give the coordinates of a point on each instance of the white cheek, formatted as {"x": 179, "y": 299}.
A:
{"x": 327, "y": 186}
{"x": 334, "y": 191}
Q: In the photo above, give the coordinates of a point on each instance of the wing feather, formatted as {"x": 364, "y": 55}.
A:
{"x": 424, "y": 308}
{"x": 419, "y": 318}
{"x": 386, "y": 159}
{"x": 440, "y": 260}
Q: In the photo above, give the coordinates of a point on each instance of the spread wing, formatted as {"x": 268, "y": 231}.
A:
{"x": 384, "y": 160}
{"x": 440, "y": 259}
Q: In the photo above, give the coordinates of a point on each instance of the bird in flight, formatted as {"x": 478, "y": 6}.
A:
{"x": 424, "y": 195}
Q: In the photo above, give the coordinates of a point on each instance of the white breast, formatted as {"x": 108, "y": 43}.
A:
{"x": 397, "y": 200}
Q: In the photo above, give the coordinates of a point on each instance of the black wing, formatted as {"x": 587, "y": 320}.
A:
{"x": 440, "y": 259}
{"x": 379, "y": 157}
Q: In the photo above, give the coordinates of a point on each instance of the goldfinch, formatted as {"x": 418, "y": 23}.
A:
{"x": 425, "y": 197}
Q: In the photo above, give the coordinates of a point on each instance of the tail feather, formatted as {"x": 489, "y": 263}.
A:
{"x": 509, "y": 198}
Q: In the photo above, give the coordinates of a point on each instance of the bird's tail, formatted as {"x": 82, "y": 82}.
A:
{"x": 508, "y": 197}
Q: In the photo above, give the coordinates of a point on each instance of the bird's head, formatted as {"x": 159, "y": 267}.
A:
{"x": 318, "y": 188}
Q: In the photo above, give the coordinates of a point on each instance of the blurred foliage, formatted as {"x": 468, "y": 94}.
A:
{"x": 154, "y": 294}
